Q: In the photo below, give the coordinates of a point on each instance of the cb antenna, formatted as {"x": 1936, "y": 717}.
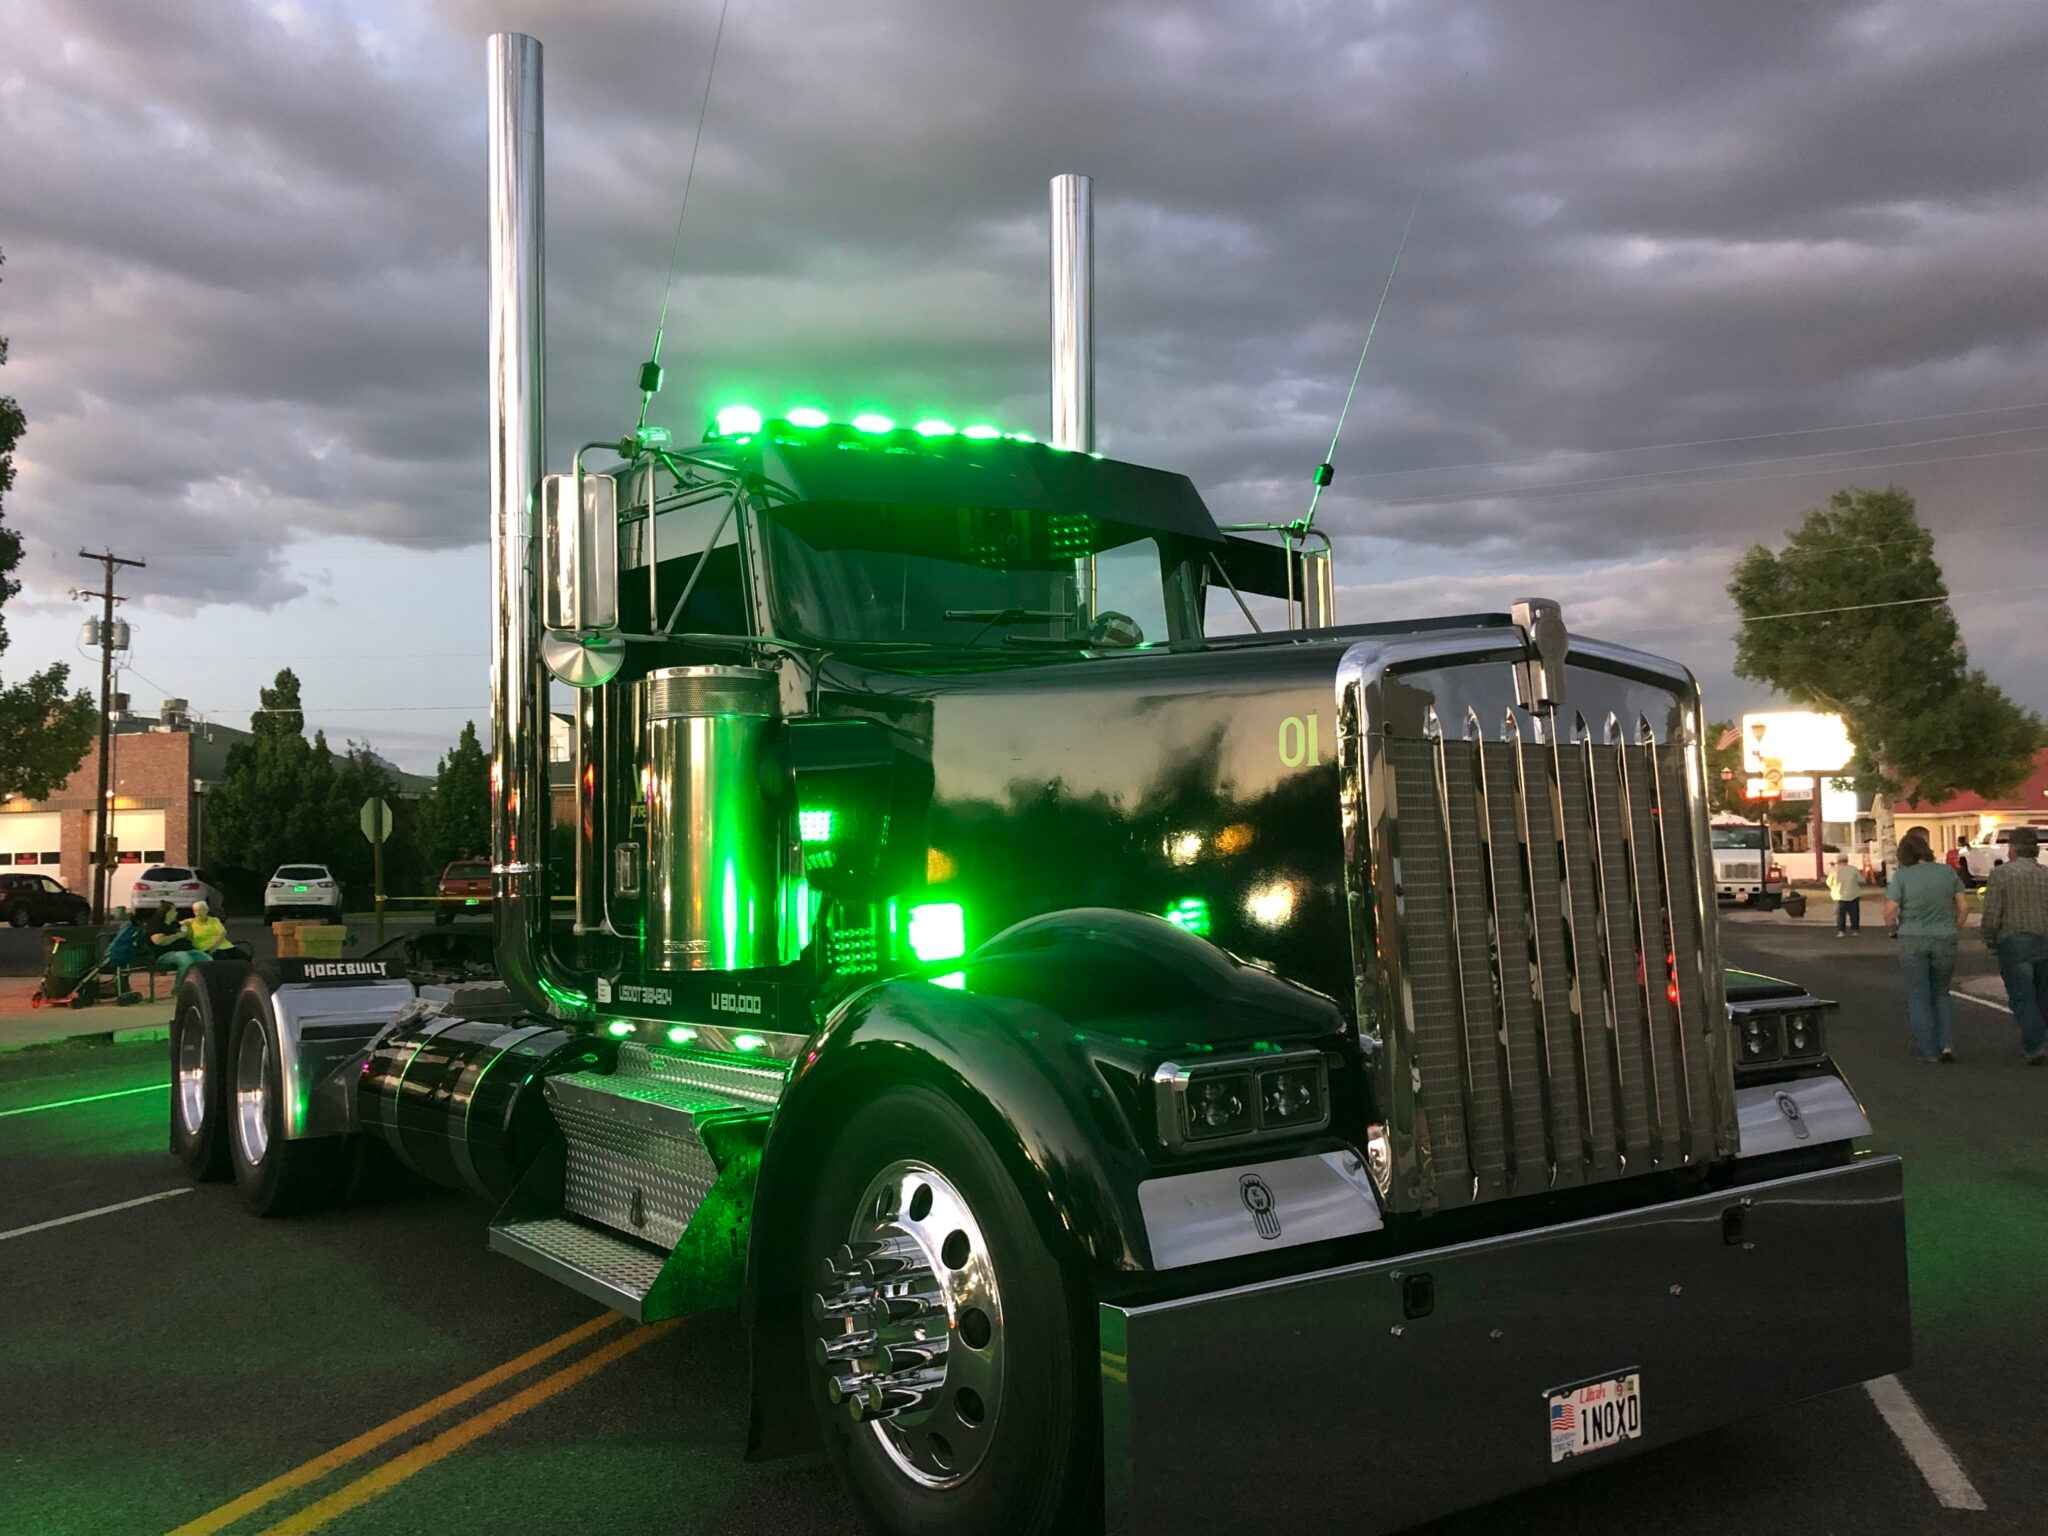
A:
{"x": 1324, "y": 471}
{"x": 650, "y": 371}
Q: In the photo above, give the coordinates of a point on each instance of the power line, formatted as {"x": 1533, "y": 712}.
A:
{"x": 1812, "y": 613}
{"x": 1715, "y": 442}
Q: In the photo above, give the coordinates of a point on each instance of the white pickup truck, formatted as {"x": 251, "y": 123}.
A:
{"x": 1978, "y": 859}
{"x": 1745, "y": 868}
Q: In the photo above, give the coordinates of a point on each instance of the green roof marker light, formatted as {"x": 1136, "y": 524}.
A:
{"x": 981, "y": 431}
{"x": 737, "y": 421}
{"x": 807, "y": 416}
{"x": 931, "y": 426}
{"x": 873, "y": 421}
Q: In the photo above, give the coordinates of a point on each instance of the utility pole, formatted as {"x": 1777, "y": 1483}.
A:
{"x": 109, "y": 560}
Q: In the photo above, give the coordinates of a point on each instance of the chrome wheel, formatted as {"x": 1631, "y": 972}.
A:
{"x": 252, "y": 1094}
{"x": 910, "y": 1325}
{"x": 192, "y": 1074}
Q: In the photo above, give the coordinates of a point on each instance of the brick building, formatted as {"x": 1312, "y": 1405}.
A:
{"x": 162, "y": 772}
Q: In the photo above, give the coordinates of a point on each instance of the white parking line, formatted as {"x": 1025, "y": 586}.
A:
{"x": 1971, "y": 997}
{"x": 104, "y": 1210}
{"x": 1930, "y": 1453}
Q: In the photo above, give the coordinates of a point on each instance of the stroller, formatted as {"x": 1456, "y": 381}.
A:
{"x": 72, "y": 974}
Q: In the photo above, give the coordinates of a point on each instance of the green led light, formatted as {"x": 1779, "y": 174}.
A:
{"x": 681, "y": 1034}
{"x": 747, "y": 1042}
{"x": 938, "y": 931}
{"x": 957, "y": 980}
{"x": 873, "y": 421}
{"x": 806, "y": 416}
{"x": 737, "y": 421}
{"x": 931, "y": 426}
{"x": 618, "y": 1029}
{"x": 981, "y": 431}
{"x": 815, "y": 826}
{"x": 1020, "y": 437}
{"x": 1191, "y": 913}
{"x": 561, "y": 997}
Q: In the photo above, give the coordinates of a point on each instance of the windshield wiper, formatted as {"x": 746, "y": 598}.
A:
{"x": 988, "y": 618}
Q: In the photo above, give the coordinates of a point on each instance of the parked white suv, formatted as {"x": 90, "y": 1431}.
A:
{"x": 175, "y": 886}
{"x": 302, "y": 890}
{"x": 1980, "y": 858}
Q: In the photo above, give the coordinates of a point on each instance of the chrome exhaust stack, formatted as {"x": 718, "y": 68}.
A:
{"x": 519, "y": 691}
{"x": 1073, "y": 337}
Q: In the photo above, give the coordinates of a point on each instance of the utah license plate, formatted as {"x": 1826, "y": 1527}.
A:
{"x": 1595, "y": 1415}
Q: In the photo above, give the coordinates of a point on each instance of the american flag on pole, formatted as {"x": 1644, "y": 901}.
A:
{"x": 1728, "y": 738}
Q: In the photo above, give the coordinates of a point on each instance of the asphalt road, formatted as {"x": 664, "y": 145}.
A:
{"x": 161, "y": 1360}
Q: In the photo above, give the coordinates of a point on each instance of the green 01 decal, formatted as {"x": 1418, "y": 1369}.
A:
{"x": 1301, "y": 741}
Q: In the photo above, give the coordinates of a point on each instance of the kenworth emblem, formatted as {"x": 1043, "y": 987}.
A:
{"x": 1258, "y": 1199}
{"x": 1789, "y": 1108}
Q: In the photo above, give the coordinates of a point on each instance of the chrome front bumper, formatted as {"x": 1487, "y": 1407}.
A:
{"x": 1318, "y": 1402}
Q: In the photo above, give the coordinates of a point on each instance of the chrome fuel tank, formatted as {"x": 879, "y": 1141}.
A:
{"x": 722, "y": 874}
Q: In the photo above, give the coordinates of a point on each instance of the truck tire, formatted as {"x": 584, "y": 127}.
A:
{"x": 990, "y": 1405}
{"x": 199, "y": 1067}
{"x": 276, "y": 1177}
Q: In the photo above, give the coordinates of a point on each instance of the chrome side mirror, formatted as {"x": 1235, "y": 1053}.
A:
{"x": 580, "y": 553}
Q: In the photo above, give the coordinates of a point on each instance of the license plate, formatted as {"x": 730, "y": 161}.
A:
{"x": 1595, "y": 1415}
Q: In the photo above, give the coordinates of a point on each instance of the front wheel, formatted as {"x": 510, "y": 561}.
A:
{"x": 17, "y": 917}
{"x": 950, "y": 1347}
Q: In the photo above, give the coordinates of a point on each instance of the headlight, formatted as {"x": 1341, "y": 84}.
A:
{"x": 1802, "y": 1034}
{"x": 1242, "y": 1098}
{"x": 1219, "y": 1105}
{"x": 1759, "y": 1038}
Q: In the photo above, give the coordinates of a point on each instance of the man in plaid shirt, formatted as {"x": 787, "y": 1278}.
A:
{"x": 2016, "y": 927}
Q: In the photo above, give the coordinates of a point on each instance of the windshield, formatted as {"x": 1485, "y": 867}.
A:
{"x": 1751, "y": 838}
{"x": 982, "y": 577}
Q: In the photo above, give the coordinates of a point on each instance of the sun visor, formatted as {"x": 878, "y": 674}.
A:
{"x": 966, "y": 472}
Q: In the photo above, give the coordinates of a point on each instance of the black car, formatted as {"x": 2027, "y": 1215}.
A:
{"x": 37, "y": 899}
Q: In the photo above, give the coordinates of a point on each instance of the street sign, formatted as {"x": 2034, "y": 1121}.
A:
{"x": 376, "y": 820}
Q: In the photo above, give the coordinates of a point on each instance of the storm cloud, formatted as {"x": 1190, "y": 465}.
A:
{"x": 245, "y": 279}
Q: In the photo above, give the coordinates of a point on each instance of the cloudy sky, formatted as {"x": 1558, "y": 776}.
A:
{"x": 1676, "y": 273}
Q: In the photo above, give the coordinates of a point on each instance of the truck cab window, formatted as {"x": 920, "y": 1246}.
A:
{"x": 982, "y": 578}
{"x": 684, "y": 538}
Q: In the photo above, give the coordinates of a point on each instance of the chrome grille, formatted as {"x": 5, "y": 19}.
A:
{"x": 1546, "y": 1006}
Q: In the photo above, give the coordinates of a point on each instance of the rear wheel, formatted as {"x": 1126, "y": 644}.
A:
{"x": 199, "y": 1068}
{"x": 276, "y": 1177}
{"x": 949, "y": 1345}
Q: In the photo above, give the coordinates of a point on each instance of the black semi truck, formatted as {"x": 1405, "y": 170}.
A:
{"x": 1117, "y": 1077}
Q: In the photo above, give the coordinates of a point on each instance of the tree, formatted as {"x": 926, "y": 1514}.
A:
{"x": 1852, "y": 617}
{"x": 455, "y": 817}
{"x": 45, "y": 731}
{"x": 1728, "y": 794}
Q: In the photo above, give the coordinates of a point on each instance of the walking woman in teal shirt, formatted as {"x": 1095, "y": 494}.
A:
{"x": 1924, "y": 907}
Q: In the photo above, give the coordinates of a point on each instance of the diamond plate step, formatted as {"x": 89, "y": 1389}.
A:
{"x": 604, "y": 1266}
{"x": 637, "y": 1160}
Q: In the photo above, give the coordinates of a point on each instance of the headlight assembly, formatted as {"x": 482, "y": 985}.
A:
{"x": 1241, "y": 1099}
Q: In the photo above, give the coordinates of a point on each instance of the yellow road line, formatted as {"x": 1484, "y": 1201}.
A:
{"x": 388, "y": 1431}
{"x": 381, "y": 1480}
